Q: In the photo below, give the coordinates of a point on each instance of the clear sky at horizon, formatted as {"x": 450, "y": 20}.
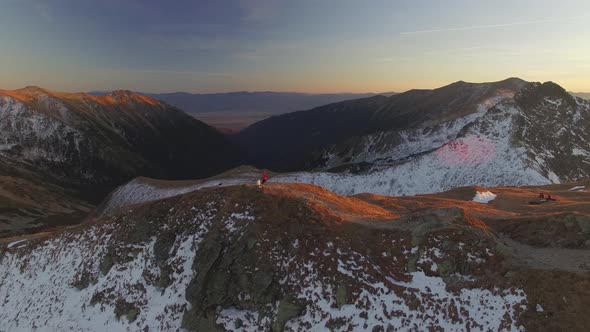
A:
{"x": 305, "y": 45}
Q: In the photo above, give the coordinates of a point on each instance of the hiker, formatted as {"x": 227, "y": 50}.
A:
{"x": 264, "y": 177}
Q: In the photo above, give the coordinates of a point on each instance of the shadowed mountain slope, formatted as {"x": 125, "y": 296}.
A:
{"x": 68, "y": 150}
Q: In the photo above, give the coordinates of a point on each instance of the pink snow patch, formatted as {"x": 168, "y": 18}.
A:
{"x": 466, "y": 150}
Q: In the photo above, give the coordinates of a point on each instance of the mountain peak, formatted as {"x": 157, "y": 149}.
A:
{"x": 126, "y": 96}
{"x": 552, "y": 87}
{"x": 122, "y": 93}
{"x": 25, "y": 94}
{"x": 511, "y": 81}
{"x": 32, "y": 88}
{"x": 514, "y": 79}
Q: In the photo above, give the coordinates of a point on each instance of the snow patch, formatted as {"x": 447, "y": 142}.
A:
{"x": 577, "y": 188}
{"x": 580, "y": 152}
{"x": 249, "y": 320}
{"x": 484, "y": 197}
{"x": 140, "y": 191}
{"x": 12, "y": 244}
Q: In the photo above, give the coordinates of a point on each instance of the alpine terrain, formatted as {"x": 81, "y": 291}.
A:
{"x": 455, "y": 209}
{"x": 268, "y": 199}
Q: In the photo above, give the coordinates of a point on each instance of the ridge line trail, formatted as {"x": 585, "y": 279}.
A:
{"x": 571, "y": 260}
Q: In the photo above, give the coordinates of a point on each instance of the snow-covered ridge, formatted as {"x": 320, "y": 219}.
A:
{"x": 484, "y": 156}
{"x": 555, "y": 135}
{"x": 141, "y": 190}
{"x": 137, "y": 271}
{"x": 389, "y": 146}
{"x": 528, "y": 139}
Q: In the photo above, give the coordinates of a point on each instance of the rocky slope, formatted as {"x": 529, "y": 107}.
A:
{"x": 68, "y": 149}
{"x": 35, "y": 205}
{"x": 296, "y": 257}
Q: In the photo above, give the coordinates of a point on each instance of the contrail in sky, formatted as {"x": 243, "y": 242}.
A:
{"x": 491, "y": 26}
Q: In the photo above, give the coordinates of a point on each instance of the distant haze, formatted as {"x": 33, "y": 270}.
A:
{"x": 270, "y": 102}
{"x": 585, "y": 95}
{"x": 236, "y": 110}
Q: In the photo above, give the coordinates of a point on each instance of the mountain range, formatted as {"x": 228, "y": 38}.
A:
{"x": 72, "y": 149}
{"x": 244, "y": 101}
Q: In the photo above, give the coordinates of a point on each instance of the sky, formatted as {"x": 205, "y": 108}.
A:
{"x": 300, "y": 45}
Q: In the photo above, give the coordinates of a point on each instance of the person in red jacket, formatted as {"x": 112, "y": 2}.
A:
{"x": 264, "y": 177}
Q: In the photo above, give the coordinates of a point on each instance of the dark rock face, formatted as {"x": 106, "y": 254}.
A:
{"x": 554, "y": 127}
{"x": 226, "y": 273}
{"x": 232, "y": 273}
